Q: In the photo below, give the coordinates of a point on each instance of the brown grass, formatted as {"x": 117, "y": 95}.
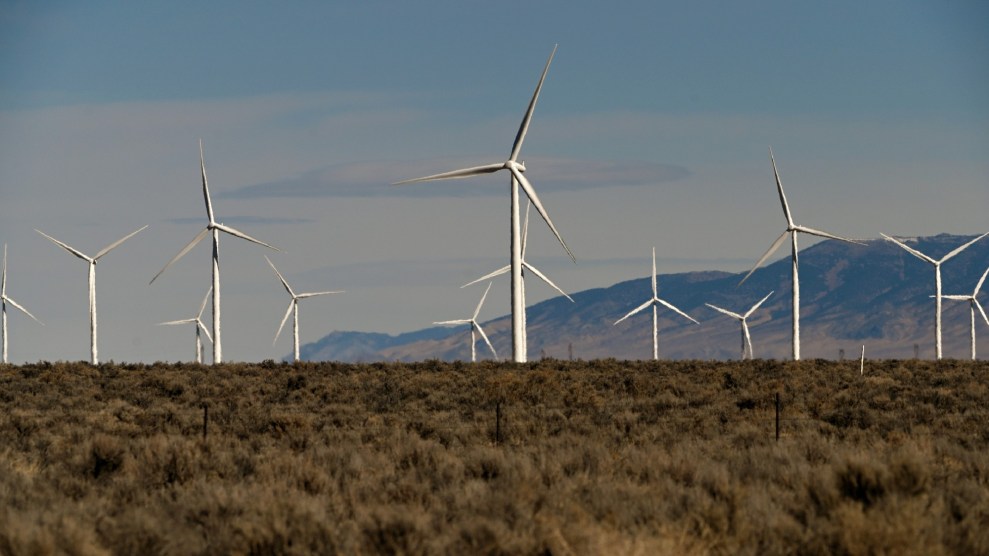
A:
{"x": 595, "y": 457}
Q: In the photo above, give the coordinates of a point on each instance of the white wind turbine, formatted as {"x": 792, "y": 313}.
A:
{"x": 516, "y": 169}
{"x": 655, "y": 302}
{"x": 525, "y": 266}
{"x": 974, "y": 304}
{"x": 4, "y": 300}
{"x": 92, "y": 282}
{"x": 792, "y": 229}
{"x": 937, "y": 281}
{"x": 474, "y": 327}
{"x": 293, "y": 308}
{"x": 214, "y": 227}
{"x": 746, "y": 338}
{"x": 200, "y": 327}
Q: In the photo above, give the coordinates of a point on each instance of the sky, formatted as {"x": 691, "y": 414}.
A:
{"x": 653, "y": 128}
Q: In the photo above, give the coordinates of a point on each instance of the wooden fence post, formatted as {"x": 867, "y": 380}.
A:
{"x": 777, "y": 416}
{"x": 205, "y": 420}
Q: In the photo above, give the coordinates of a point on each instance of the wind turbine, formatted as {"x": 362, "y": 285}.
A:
{"x": 937, "y": 281}
{"x": 791, "y": 228}
{"x": 4, "y": 300}
{"x": 293, "y": 307}
{"x": 200, "y": 327}
{"x": 746, "y": 338}
{"x": 525, "y": 266}
{"x": 92, "y": 281}
{"x": 973, "y": 305}
{"x": 474, "y": 326}
{"x": 516, "y": 169}
{"x": 655, "y": 302}
{"x": 214, "y": 227}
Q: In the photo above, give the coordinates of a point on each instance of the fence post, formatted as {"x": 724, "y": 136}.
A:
{"x": 498, "y": 422}
{"x": 777, "y": 416}
{"x": 205, "y": 420}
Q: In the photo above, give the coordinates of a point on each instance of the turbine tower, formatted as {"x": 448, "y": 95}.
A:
{"x": 474, "y": 327}
{"x": 200, "y": 327}
{"x": 525, "y": 266}
{"x": 94, "y": 356}
{"x": 937, "y": 281}
{"x": 4, "y": 300}
{"x": 655, "y": 302}
{"x": 746, "y": 338}
{"x": 792, "y": 229}
{"x": 974, "y": 304}
{"x": 518, "y": 179}
{"x": 214, "y": 227}
{"x": 293, "y": 308}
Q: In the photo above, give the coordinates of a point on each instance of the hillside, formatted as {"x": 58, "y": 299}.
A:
{"x": 877, "y": 295}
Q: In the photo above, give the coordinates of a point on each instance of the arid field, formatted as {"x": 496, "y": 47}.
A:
{"x": 551, "y": 457}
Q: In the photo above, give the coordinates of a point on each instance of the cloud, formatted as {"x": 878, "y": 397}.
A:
{"x": 373, "y": 179}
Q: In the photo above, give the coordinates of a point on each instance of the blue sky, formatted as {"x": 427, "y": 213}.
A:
{"x": 653, "y": 129}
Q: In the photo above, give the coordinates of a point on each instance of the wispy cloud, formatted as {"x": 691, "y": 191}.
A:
{"x": 373, "y": 179}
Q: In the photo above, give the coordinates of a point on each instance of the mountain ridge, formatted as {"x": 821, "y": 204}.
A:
{"x": 875, "y": 294}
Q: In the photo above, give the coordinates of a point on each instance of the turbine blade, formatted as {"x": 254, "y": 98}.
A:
{"x": 280, "y": 277}
{"x": 981, "y": 310}
{"x": 288, "y": 312}
{"x": 910, "y": 250}
{"x": 531, "y": 193}
{"x": 203, "y": 306}
{"x": 68, "y": 248}
{"x": 981, "y": 280}
{"x": 202, "y": 166}
{"x": 490, "y": 275}
{"x": 756, "y": 306}
{"x": 819, "y": 233}
{"x": 769, "y": 252}
{"x": 458, "y": 321}
{"x": 779, "y": 188}
{"x": 457, "y": 174}
{"x": 524, "y": 127}
{"x": 3, "y": 279}
{"x": 655, "y": 286}
{"x": 314, "y": 294}
{"x": 242, "y": 235}
{"x": 481, "y": 302}
{"x": 962, "y": 248}
{"x": 205, "y": 330}
{"x": 645, "y": 305}
{"x": 199, "y": 237}
{"x": 671, "y": 307}
{"x": 525, "y": 226}
{"x": 486, "y": 340}
{"x": 954, "y": 297}
{"x": 174, "y": 322}
{"x": 725, "y": 311}
{"x": 117, "y": 243}
{"x": 23, "y": 310}
{"x": 549, "y": 282}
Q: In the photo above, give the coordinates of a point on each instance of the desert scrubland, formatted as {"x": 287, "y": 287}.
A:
{"x": 550, "y": 457}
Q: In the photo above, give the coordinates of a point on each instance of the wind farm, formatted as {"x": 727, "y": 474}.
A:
{"x": 814, "y": 408}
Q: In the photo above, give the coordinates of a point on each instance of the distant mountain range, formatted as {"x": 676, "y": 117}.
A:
{"x": 877, "y": 295}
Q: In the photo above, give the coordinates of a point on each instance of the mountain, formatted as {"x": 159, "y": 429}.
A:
{"x": 875, "y": 294}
